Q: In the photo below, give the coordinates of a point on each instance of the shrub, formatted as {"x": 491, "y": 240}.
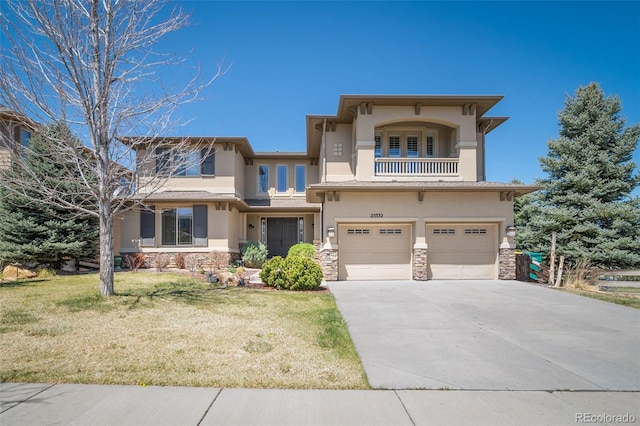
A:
{"x": 254, "y": 254}
{"x": 292, "y": 273}
{"x": 302, "y": 273}
{"x": 46, "y": 273}
{"x": 161, "y": 261}
{"x": 218, "y": 260}
{"x": 302, "y": 249}
{"x": 272, "y": 273}
{"x": 135, "y": 261}
{"x": 179, "y": 260}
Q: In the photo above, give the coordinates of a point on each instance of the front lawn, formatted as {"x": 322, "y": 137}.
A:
{"x": 166, "y": 329}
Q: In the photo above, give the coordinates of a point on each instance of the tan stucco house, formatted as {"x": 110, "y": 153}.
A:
{"x": 390, "y": 187}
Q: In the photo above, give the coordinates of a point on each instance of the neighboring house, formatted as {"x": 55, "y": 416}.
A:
{"x": 13, "y": 133}
{"x": 391, "y": 187}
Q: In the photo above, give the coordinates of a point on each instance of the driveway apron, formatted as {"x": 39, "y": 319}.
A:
{"x": 489, "y": 335}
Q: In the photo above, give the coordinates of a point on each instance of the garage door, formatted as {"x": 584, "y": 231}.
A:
{"x": 462, "y": 251}
{"x": 374, "y": 252}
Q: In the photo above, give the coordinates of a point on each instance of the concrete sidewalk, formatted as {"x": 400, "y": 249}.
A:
{"x": 43, "y": 404}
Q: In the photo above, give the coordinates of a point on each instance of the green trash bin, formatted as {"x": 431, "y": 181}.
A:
{"x": 534, "y": 256}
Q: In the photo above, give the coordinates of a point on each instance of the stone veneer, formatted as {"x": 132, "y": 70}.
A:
{"x": 328, "y": 259}
{"x": 420, "y": 264}
{"x": 192, "y": 261}
{"x": 507, "y": 264}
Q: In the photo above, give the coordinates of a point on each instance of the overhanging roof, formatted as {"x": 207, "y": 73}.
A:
{"x": 349, "y": 104}
{"x": 355, "y": 186}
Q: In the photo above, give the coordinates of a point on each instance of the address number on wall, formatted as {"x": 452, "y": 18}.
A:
{"x": 377, "y": 215}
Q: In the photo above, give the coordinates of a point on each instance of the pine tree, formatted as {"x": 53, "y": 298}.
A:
{"x": 34, "y": 232}
{"x": 587, "y": 198}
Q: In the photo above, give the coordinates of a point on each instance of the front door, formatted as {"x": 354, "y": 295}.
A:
{"x": 282, "y": 233}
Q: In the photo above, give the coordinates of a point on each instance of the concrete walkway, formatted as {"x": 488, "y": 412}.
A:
{"x": 42, "y": 404}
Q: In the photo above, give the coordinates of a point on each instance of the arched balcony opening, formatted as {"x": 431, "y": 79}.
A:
{"x": 416, "y": 149}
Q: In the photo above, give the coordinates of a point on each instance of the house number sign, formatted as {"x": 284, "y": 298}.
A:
{"x": 377, "y": 215}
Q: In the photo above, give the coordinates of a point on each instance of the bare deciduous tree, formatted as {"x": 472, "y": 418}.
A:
{"x": 92, "y": 65}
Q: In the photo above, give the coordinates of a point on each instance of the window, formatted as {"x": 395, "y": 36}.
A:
{"x": 185, "y": 163}
{"x": 301, "y": 230}
{"x": 475, "y": 231}
{"x": 184, "y": 226}
{"x": 412, "y": 146}
{"x": 430, "y": 144}
{"x": 394, "y": 146}
{"x": 282, "y": 178}
{"x": 358, "y": 231}
{"x": 25, "y": 138}
{"x": 337, "y": 149}
{"x": 263, "y": 178}
{"x": 169, "y": 227}
{"x": 177, "y": 226}
{"x": 301, "y": 178}
{"x": 378, "y": 146}
{"x": 444, "y": 231}
{"x": 390, "y": 231}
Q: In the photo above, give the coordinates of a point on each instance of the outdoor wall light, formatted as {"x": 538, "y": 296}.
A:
{"x": 251, "y": 226}
{"x": 331, "y": 232}
{"x": 511, "y": 231}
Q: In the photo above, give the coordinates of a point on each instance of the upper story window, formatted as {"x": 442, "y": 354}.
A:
{"x": 263, "y": 178}
{"x": 185, "y": 163}
{"x": 25, "y": 138}
{"x": 412, "y": 146}
{"x": 301, "y": 178}
{"x": 409, "y": 142}
{"x": 282, "y": 178}
{"x": 394, "y": 146}
{"x": 430, "y": 137}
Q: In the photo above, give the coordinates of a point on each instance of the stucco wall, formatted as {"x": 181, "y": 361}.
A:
{"x": 251, "y": 177}
{"x": 129, "y": 230}
{"x": 404, "y": 207}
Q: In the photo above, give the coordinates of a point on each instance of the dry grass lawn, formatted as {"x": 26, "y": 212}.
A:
{"x": 165, "y": 329}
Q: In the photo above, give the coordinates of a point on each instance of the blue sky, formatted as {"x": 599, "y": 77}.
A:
{"x": 290, "y": 59}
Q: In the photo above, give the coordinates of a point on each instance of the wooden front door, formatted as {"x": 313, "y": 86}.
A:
{"x": 282, "y": 233}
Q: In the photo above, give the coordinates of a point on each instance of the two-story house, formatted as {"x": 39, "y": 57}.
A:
{"x": 391, "y": 187}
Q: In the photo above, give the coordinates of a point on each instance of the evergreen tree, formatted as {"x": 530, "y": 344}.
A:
{"x": 587, "y": 198}
{"x": 32, "y": 231}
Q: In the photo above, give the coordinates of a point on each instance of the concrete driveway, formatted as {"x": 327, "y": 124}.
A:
{"x": 489, "y": 335}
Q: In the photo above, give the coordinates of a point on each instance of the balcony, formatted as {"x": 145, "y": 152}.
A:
{"x": 426, "y": 167}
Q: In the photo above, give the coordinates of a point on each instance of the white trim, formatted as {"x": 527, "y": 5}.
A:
{"x": 463, "y": 219}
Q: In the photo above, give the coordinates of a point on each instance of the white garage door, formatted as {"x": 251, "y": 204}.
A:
{"x": 462, "y": 251}
{"x": 374, "y": 252}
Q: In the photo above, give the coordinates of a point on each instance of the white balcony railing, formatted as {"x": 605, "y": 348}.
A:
{"x": 416, "y": 167}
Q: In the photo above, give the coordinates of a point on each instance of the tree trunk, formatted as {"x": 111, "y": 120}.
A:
{"x": 106, "y": 252}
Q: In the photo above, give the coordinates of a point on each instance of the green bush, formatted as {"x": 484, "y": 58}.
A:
{"x": 272, "y": 273}
{"x": 292, "y": 273}
{"x": 254, "y": 254}
{"x": 302, "y": 249}
{"x": 302, "y": 273}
